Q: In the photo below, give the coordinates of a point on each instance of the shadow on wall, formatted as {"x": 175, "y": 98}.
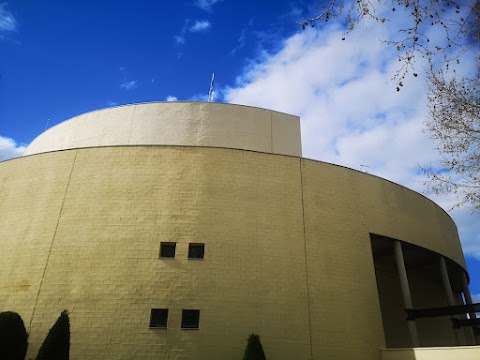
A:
{"x": 427, "y": 291}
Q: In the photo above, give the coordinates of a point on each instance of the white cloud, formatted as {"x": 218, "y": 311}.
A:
{"x": 188, "y": 27}
{"x": 128, "y": 85}
{"x": 200, "y": 25}
{"x": 171, "y": 98}
{"x": 199, "y": 97}
{"x": 7, "y": 20}
{"x": 180, "y": 39}
{"x": 351, "y": 113}
{"x": 206, "y": 4}
{"x": 9, "y": 148}
{"x": 242, "y": 38}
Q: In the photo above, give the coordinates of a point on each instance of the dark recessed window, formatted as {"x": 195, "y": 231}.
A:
{"x": 196, "y": 251}
{"x": 167, "y": 249}
{"x": 159, "y": 318}
{"x": 190, "y": 319}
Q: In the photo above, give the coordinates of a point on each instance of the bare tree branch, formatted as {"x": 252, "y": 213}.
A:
{"x": 454, "y": 125}
{"x": 459, "y": 20}
{"x": 453, "y": 102}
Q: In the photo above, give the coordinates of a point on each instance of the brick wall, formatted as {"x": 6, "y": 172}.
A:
{"x": 287, "y": 250}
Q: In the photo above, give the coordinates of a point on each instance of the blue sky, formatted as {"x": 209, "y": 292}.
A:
{"x": 62, "y": 58}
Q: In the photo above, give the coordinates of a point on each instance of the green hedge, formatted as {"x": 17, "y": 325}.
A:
{"x": 254, "y": 349}
{"x": 13, "y": 336}
{"x": 57, "y": 343}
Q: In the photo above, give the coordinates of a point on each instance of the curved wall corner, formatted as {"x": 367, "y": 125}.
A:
{"x": 287, "y": 250}
{"x": 176, "y": 123}
{"x": 288, "y": 241}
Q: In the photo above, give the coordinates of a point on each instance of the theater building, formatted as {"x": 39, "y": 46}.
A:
{"x": 174, "y": 230}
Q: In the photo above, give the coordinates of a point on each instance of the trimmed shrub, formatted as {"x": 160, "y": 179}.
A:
{"x": 56, "y": 345}
{"x": 254, "y": 349}
{"x": 13, "y": 336}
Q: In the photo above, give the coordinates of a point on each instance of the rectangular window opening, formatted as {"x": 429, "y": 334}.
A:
{"x": 167, "y": 249}
{"x": 159, "y": 318}
{"x": 196, "y": 251}
{"x": 190, "y": 319}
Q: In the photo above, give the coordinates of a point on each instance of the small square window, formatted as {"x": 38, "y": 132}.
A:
{"x": 159, "y": 318}
{"x": 196, "y": 251}
{"x": 167, "y": 249}
{"x": 190, "y": 319}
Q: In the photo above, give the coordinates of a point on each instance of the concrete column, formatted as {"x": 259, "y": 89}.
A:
{"x": 407, "y": 298}
{"x": 468, "y": 301}
{"x": 469, "y": 338}
{"x": 448, "y": 291}
{"x": 466, "y": 293}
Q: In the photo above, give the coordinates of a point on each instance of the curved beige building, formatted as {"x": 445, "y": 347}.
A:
{"x": 174, "y": 230}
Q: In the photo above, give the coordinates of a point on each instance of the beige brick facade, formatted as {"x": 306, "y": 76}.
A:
{"x": 287, "y": 251}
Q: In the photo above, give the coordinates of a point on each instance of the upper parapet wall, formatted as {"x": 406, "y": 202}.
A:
{"x": 176, "y": 123}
